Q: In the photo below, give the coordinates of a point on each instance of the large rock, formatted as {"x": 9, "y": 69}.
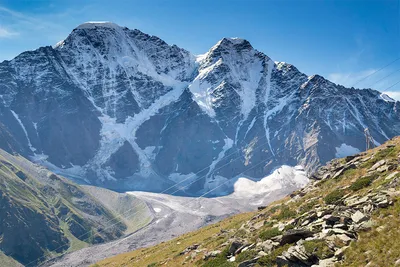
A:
{"x": 294, "y": 235}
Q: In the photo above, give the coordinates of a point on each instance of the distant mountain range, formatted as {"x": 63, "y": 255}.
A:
{"x": 121, "y": 109}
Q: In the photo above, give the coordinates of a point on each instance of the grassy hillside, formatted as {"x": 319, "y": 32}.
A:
{"x": 44, "y": 215}
{"x": 349, "y": 215}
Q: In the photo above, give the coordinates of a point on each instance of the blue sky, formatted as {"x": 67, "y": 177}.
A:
{"x": 341, "y": 40}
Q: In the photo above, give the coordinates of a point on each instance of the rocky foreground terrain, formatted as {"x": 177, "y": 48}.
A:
{"x": 348, "y": 215}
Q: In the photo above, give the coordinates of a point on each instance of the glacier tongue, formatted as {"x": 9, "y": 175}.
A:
{"x": 284, "y": 179}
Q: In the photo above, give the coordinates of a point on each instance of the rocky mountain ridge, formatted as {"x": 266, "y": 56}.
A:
{"x": 118, "y": 108}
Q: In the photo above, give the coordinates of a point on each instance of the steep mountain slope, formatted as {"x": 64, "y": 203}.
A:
{"x": 122, "y": 109}
{"x": 348, "y": 215}
{"x": 43, "y": 214}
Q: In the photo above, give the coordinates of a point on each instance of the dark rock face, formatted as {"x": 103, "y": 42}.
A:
{"x": 124, "y": 162}
{"x": 120, "y": 108}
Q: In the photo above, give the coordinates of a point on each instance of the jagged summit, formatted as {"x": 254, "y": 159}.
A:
{"x": 94, "y": 24}
{"x": 122, "y": 109}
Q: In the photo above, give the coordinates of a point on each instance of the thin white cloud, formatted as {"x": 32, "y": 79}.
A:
{"x": 6, "y": 33}
{"x": 393, "y": 94}
{"x": 348, "y": 79}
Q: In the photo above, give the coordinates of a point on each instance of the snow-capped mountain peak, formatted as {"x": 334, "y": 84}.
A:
{"x": 123, "y": 109}
{"x": 94, "y": 24}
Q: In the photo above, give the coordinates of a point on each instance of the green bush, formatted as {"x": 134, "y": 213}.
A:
{"x": 270, "y": 233}
{"x": 218, "y": 262}
{"x": 270, "y": 259}
{"x": 289, "y": 227}
{"x": 361, "y": 183}
{"x": 307, "y": 206}
{"x": 318, "y": 248}
{"x": 334, "y": 197}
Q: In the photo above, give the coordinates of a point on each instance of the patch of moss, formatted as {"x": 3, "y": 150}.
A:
{"x": 246, "y": 255}
{"x": 362, "y": 182}
{"x": 307, "y": 206}
{"x": 270, "y": 259}
{"x": 270, "y": 233}
{"x": 334, "y": 197}
{"x": 285, "y": 213}
{"x": 318, "y": 248}
{"x": 289, "y": 227}
{"x": 220, "y": 260}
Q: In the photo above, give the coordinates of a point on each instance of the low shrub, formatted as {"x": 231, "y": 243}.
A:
{"x": 318, "y": 248}
{"x": 361, "y": 183}
{"x": 334, "y": 197}
{"x": 270, "y": 259}
{"x": 285, "y": 213}
{"x": 270, "y": 233}
{"x": 246, "y": 255}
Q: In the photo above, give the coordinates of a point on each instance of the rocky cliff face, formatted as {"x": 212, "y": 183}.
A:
{"x": 122, "y": 109}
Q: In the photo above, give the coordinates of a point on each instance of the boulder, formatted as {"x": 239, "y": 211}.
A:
{"x": 249, "y": 263}
{"x": 294, "y": 235}
{"x": 234, "y": 247}
{"x": 297, "y": 256}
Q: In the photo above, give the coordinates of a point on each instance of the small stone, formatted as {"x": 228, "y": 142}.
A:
{"x": 211, "y": 254}
{"x": 326, "y": 263}
{"x": 340, "y": 252}
{"x": 391, "y": 176}
{"x": 377, "y": 165}
{"x": 365, "y": 225}
{"x": 359, "y": 217}
{"x": 258, "y": 225}
{"x": 341, "y": 226}
{"x": 344, "y": 238}
{"x": 383, "y": 204}
{"x": 262, "y": 253}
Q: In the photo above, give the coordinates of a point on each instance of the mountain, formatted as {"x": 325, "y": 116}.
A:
{"x": 43, "y": 214}
{"x": 348, "y": 215}
{"x": 121, "y": 109}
